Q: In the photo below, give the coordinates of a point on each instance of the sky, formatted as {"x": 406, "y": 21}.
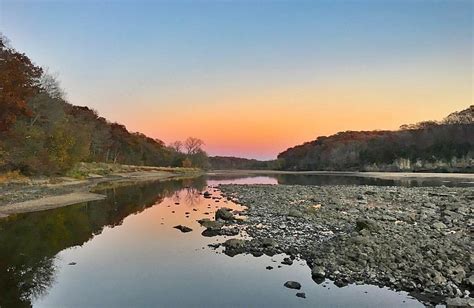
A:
{"x": 252, "y": 78}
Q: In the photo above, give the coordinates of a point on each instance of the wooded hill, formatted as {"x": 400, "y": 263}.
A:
{"x": 41, "y": 133}
{"x": 229, "y": 163}
{"x": 445, "y": 146}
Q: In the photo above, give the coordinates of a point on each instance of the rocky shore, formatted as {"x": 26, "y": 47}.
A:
{"x": 418, "y": 240}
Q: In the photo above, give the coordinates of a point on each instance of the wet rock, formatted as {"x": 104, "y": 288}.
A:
{"x": 318, "y": 272}
{"x": 301, "y": 294}
{"x": 269, "y": 267}
{"x": 183, "y": 229}
{"x": 287, "y": 261}
{"x": 234, "y": 243}
{"x": 340, "y": 283}
{"x": 292, "y": 285}
{"x": 210, "y": 224}
{"x": 224, "y": 214}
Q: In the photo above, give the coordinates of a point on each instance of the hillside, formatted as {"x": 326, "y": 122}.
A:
{"x": 229, "y": 162}
{"x": 446, "y": 146}
{"x": 41, "y": 133}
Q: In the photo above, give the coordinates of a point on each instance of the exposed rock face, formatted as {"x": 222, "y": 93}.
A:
{"x": 413, "y": 239}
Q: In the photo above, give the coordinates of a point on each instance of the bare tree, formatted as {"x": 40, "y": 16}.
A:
{"x": 193, "y": 145}
{"x": 50, "y": 84}
{"x": 177, "y": 146}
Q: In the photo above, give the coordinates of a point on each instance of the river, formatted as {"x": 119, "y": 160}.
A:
{"x": 124, "y": 252}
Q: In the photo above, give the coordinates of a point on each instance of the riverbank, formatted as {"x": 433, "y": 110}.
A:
{"x": 413, "y": 239}
{"x": 23, "y": 194}
{"x": 468, "y": 177}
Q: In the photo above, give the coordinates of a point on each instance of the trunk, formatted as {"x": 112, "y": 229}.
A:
{"x": 34, "y": 120}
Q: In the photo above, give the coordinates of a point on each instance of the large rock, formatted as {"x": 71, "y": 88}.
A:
{"x": 292, "y": 285}
{"x": 183, "y": 229}
{"x": 210, "y": 224}
{"x": 224, "y": 214}
{"x": 318, "y": 272}
{"x": 234, "y": 243}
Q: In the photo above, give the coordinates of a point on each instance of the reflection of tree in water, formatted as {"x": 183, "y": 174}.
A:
{"x": 191, "y": 196}
{"x": 30, "y": 242}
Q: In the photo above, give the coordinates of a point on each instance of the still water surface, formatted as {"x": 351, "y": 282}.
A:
{"x": 124, "y": 252}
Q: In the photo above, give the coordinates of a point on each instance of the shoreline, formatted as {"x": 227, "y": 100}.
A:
{"x": 40, "y": 195}
{"x": 379, "y": 175}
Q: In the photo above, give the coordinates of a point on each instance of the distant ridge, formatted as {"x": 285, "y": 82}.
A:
{"x": 445, "y": 146}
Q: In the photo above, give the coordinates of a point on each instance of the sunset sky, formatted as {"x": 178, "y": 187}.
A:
{"x": 252, "y": 78}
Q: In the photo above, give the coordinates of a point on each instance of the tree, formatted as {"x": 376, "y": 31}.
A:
{"x": 193, "y": 145}
{"x": 177, "y": 146}
{"x": 187, "y": 163}
{"x": 19, "y": 81}
{"x": 49, "y": 83}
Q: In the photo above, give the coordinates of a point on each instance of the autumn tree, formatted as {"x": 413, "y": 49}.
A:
{"x": 19, "y": 81}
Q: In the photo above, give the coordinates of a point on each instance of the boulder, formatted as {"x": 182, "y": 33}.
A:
{"x": 234, "y": 243}
{"x": 292, "y": 285}
{"x": 224, "y": 214}
{"x": 210, "y": 224}
{"x": 318, "y": 272}
{"x": 183, "y": 229}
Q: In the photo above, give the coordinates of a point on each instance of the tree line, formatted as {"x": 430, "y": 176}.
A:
{"x": 447, "y": 145}
{"x": 41, "y": 133}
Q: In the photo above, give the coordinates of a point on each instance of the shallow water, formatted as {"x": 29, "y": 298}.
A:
{"x": 124, "y": 252}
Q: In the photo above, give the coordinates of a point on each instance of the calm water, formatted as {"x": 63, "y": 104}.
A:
{"x": 124, "y": 252}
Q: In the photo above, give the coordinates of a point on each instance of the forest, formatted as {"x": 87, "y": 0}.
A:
{"x": 229, "y": 163}
{"x": 42, "y": 134}
{"x": 444, "y": 146}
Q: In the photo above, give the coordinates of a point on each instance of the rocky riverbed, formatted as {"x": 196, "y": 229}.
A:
{"x": 413, "y": 239}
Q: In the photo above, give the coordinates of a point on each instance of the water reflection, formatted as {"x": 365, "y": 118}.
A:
{"x": 335, "y": 179}
{"x": 30, "y": 242}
